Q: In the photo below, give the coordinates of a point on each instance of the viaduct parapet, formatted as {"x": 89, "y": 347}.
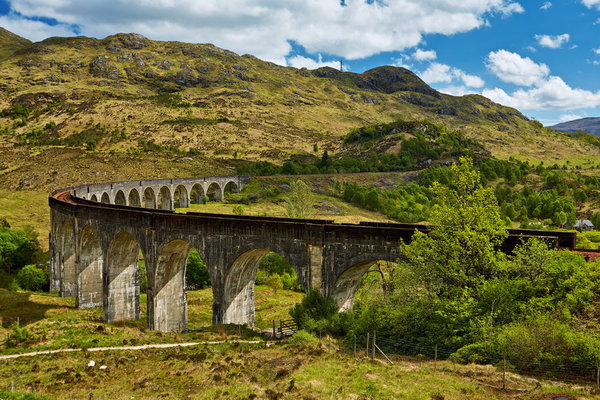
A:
{"x": 99, "y": 231}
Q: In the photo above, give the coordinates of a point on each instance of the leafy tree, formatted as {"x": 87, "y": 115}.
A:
{"x": 460, "y": 250}
{"x": 30, "y": 277}
{"x": 196, "y": 272}
{"x": 18, "y": 247}
{"x": 300, "y": 200}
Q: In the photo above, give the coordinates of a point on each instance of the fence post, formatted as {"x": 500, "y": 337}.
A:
{"x": 435, "y": 359}
{"x": 373, "y": 349}
{"x": 504, "y": 373}
{"x": 598, "y": 376}
{"x": 355, "y": 346}
{"x": 367, "y": 349}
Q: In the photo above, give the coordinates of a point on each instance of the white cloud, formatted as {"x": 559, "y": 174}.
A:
{"x": 591, "y": 3}
{"x": 265, "y": 28}
{"x": 402, "y": 61}
{"x": 424, "y": 55}
{"x": 442, "y": 73}
{"x": 597, "y": 51}
{"x": 553, "y": 42}
{"x": 306, "y": 62}
{"x": 510, "y": 8}
{"x": 33, "y": 30}
{"x": 548, "y": 94}
{"x": 437, "y": 73}
{"x": 512, "y": 68}
{"x": 569, "y": 117}
{"x": 546, "y": 6}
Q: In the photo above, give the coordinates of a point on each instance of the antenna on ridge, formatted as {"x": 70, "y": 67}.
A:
{"x": 341, "y": 66}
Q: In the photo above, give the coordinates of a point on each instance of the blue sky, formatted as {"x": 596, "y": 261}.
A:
{"x": 542, "y": 57}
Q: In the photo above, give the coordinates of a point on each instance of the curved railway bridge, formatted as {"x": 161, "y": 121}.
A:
{"x": 98, "y": 231}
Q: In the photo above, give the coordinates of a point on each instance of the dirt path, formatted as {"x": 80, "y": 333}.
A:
{"x": 142, "y": 347}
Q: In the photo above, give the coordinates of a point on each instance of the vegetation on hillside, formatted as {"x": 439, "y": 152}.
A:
{"x": 454, "y": 289}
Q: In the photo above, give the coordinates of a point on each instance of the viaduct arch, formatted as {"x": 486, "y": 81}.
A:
{"x": 95, "y": 241}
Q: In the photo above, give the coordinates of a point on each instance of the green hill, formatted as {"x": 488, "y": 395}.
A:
{"x": 9, "y": 43}
{"x": 136, "y": 108}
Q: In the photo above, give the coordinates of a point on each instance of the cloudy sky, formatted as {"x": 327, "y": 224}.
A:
{"x": 542, "y": 57}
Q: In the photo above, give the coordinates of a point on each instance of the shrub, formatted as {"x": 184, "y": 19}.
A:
{"x": 196, "y": 273}
{"x": 313, "y": 308}
{"x": 302, "y": 338}
{"x": 274, "y": 282}
{"x": 32, "y": 278}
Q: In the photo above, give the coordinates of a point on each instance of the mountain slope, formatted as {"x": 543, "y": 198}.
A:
{"x": 207, "y": 107}
{"x": 9, "y": 43}
{"x": 589, "y": 125}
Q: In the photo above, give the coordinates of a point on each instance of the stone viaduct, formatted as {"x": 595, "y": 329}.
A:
{"x": 99, "y": 231}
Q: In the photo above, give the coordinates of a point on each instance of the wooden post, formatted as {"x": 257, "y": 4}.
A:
{"x": 435, "y": 359}
{"x": 367, "y": 350}
{"x": 504, "y": 373}
{"x": 598, "y": 377}
{"x": 274, "y": 330}
{"x": 373, "y": 349}
{"x": 355, "y": 347}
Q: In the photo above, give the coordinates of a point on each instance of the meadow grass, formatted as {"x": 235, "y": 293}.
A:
{"x": 54, "y": 322}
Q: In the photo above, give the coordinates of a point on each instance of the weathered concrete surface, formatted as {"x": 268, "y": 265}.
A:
{"x": 95, "y": 249}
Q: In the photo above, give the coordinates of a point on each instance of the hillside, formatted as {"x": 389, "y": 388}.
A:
{"x": 9, "y": 43}
{"x": 138, "y": 108}
{"x": 589, "y": 125}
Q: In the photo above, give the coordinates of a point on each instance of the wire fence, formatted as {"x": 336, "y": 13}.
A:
{"x": 372, "y": 346}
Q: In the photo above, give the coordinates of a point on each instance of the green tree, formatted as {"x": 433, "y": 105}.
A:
{"x": 32, "y": 278}
{"x": 196, "y": 272}
{"x": 300, "y": 200}
{"x": 461, "y": 248}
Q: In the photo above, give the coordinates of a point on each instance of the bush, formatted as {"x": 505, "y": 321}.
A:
{"x": 313, "y": 308}
{"x": 196, "y": 273}
{"x": 33, "y": 278}
{"x": 274, "y": 282}
{"x": 302, "y": 338}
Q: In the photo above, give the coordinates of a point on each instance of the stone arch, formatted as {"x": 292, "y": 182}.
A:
{"x": 91, "y": 260}
{"x": 214, "y": 192}
{"x": 68, "y": 261}
{"x": 105, "y": 198}
{"x": 121, "y": 299}
{"x": 197, "y": 194}
{"x": 94, "y": 198}
{"x": 120, "y": 198}
{"x": 346, "y": 284}
{"x": 164, "y": 199}
{"x": 169, "y": 301}
{"x": 238, "y": 292}
{"x": 133, "y": 199}
{"x": 181, "y": 198}
{"x": 230, "y": 187}
{"x": 149, "y": 200}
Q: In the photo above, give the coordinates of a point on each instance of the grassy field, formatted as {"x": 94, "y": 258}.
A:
{"x": 322, "y": 369}
{"x": 54, "y": 322}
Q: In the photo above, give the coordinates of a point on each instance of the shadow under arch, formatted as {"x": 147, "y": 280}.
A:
{"x": 134, "y": 199}
{"x": 105, "y": 198}
{"x": 168, "y": 308}
{"x": 181, "y": 198}
{"x": 121, "y": 298}
{"x": 214, "y": 192}
{"x": 90, "y": 291}
{"x": 197, "y": 194}
{"x": 345, "y": 286}
{"x": 238, "y": 292}
{"x": 68, "y": 261}
{"x": 120, "y": 198}
{"x": 230, "y": 187}
{"x": 149, "y": 200}
{"x": 164, "y": 199}
{"x": 94, "y": 198}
